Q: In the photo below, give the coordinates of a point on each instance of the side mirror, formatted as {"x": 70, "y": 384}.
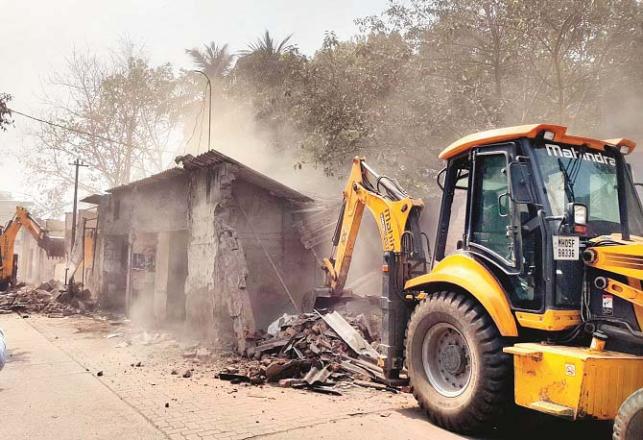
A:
{"x": 440, "y": 178}
{"x": 520, "y": 183}
{"x": 577, "y": 216}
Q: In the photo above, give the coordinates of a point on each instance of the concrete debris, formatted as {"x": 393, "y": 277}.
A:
{"x": 350, "y": 335}
{"x": 274, "y": 328}
{"x": 317, "y": 375}
{"x": 50, "y": 301}
{"x": 310, "y": 351}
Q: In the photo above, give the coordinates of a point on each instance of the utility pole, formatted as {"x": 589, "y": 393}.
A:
{"x": 207, "y": 78}
{"x": 76, "y": 164}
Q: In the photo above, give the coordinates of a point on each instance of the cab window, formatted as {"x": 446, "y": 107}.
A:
{"x": 490, "y": 217}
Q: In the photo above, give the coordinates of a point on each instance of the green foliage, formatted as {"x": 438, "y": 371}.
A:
{"x": 429, "y": 71}
{"x": 426, "y": 72}
{"x": 417, "y": 77}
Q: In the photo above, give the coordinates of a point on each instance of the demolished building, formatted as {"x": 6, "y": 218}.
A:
{"x": 211, "y": 242}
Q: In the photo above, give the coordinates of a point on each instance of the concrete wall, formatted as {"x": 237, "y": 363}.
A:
{"x": 266, "y": 226}
{"x": 139, "y": 220}
{"x": 208, "y": 233}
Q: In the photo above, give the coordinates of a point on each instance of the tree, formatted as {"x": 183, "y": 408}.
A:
{"x": 213, "y": 60}
{"x": 266, "y": 75}
{"x": 119, "y": 117}
{"x": 5, "y": 113}
{"x": 574, "y": 47}
{"x": 267, "y": 62}
{"x": 505, "y": 62}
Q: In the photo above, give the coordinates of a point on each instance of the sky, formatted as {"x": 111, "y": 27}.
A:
{"x": 37, "y": 36}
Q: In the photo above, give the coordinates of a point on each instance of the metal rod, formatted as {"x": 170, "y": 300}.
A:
{"x": 207, "y": 78}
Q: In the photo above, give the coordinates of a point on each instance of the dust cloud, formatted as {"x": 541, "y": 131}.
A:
{"x": 236, "y": 133}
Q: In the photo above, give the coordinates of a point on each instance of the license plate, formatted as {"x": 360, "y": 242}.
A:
{"x": 566, "y": 247}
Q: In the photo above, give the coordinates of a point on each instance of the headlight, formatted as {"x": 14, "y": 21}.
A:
{"x": 580, "y": 214}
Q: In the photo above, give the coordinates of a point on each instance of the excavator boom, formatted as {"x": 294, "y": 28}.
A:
{"x": 391, "y": 208}
{"x": 8, "y": 235}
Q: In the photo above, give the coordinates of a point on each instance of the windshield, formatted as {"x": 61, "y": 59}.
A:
{"x": 572, "y": 174}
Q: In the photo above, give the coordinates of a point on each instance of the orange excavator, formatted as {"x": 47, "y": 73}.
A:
{"x": 8, "y": 234}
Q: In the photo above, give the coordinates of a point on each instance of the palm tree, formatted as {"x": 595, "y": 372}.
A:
{"x": 267, "y": 60}
{"x": 266, "y": 45}
{"x": 215, "y": 61}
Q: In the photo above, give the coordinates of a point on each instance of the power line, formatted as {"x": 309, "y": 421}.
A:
{"x": 75, "y": 130}
{"x": 85, "y": 133}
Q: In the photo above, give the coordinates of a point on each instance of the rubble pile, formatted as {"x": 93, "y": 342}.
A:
{"x": 322, "y": 353}
{"x": 49, "y": 299}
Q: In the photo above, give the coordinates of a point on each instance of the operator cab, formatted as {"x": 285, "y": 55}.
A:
{"x": 536, "y": 199}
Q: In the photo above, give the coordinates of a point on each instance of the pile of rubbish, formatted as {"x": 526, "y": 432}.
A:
{"x": 319, "y": 352}
{"x": 50, "y": 298}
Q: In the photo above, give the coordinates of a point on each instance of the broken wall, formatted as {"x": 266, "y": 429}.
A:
{"x": 267, "y": 226}
{"x": 217, "y": 300}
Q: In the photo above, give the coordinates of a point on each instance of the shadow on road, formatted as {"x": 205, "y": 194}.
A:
{"x": 530, "y": 425}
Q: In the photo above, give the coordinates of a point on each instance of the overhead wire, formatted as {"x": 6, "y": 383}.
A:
{"x": 97, "y": 136}
{"x": 115, "y": 141}
{"x": 85, "y": 133}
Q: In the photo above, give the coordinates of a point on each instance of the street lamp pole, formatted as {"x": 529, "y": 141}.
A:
{"x": 207, "y": 78}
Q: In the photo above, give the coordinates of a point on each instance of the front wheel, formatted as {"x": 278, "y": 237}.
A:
{"x": 628, "y": 424}
{"x": 457, "y": 369}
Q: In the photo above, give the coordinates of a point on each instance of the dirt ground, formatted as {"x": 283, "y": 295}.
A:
{"x": 90, "y": 378}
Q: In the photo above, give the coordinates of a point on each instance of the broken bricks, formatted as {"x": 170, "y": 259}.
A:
{"x": 49, "y": 301}
{"x": 311, "y": 351}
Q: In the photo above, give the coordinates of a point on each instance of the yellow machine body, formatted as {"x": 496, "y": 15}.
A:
{"x": 574, "y": 382}
{"x": 465, "y": 272}
{"x": 569, "y": 381}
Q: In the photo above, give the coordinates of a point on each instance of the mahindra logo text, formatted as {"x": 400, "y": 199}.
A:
{"x": 571, "y": 153}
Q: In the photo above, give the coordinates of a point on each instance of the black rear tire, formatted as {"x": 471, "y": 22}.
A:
{"x": 457, "y": 369}
{"x": 628, "y": 424}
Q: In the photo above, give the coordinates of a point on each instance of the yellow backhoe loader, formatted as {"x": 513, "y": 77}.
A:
{"x": 540, "y": 304}
{"x": 8, "y": 234}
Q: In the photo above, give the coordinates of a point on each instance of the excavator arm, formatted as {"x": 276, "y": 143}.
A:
{"x": 22, "y": 218}
{"x": 390, "y": 206}
{"x": 403, "y": 253}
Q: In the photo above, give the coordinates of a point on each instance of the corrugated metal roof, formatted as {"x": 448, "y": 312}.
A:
{"x": 213, "y": 158}
{"x": 154, "y": 178}
{"x": 94, "y": 199}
